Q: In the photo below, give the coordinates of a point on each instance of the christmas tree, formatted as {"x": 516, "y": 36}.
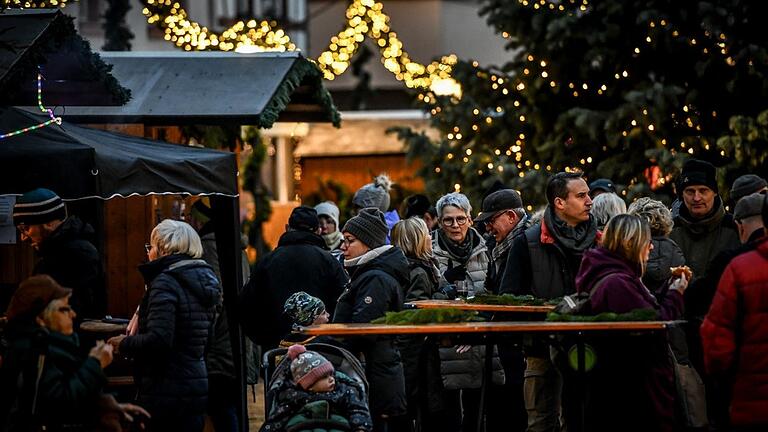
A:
{"x": 619, "y": 89}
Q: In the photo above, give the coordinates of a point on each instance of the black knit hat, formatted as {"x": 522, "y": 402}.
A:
{"x": 304, "y": 219}
{"x": 369, "y": 227}
{"x": 38, "y": 207}
{"x": 746, "y": 185}
{"x": 697, "y": 172}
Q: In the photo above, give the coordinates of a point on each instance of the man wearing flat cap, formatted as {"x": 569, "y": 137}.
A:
{"x": 65, "y": 248}
{"x": 299, "y": 263}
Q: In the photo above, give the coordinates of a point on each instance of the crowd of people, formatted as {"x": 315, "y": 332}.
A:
{"x": 694, "y": 262}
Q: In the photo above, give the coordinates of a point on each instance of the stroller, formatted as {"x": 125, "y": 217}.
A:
{"x": 276, "y": 369}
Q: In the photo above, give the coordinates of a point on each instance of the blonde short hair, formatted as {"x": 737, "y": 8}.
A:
{"x": 627, "y": 236}
{"x": 412, "y": 236}
{"x": 656, "y": 213}
{"x": 176, "y": 237}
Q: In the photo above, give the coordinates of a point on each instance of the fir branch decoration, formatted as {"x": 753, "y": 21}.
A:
{"x": 634, "y": 315}
{"x": 427, "y": 316}
{"x": 512, "y": 300}
{"x": 117, "y": 35}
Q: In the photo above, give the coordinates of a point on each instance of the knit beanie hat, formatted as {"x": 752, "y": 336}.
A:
{"x": 746, "y": 185}
{"x": 374, "y": 194}
{"x": 38, "y": 207}
{"x": 302, "y": 308}
{"x": 369, "y": 227}
{"x": 307, "y": 366}
{"x": 33, "y": 296}
{"x": 697, "y": 172}
{"x": 328, "y": 208}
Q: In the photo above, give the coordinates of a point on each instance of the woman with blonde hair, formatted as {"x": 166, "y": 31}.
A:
{"x": 633, "y": 378}
{"x": 412, "y": 236}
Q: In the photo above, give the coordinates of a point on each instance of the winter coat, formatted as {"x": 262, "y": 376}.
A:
{"x": 633, "y": 381}
{"x": 300, "y": 263}
{"x": 735, "y": 335}
{"x": 702, "y": 239}
{"x": 70, "y": 384}
{"x": 497, "y": 267}
{"x": 375, "y": 289}
{"x": 175, "y": 321}
{"x": 664, "y": 255}
{"x": 346, "y": 400}
{"x": 476, "y": 264}
{"x": 465, "y": 370}
{"x": 539, "y": 265}
{"x": 69, "y": 256}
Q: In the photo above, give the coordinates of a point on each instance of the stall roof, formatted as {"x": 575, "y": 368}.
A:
{"x": 74, "y": 75}
{"x": 174, "y": 88}
{"x": 79, "y": 162}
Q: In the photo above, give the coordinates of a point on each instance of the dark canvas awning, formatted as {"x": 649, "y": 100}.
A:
{"x": 176, "y": 88}
{"x": 74, "y": 75}
{"x": 80, "y": 162}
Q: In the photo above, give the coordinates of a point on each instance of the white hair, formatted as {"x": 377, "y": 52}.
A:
{"x": 172, "y": 236}
{"x": 456, "y": 199}
{"x": 605, "y": 206}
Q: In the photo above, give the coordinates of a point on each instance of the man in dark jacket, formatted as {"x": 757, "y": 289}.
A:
{"x": 65, "y": 248}
{"x": 544, "y": 262}
{"x": 300, "y": 263}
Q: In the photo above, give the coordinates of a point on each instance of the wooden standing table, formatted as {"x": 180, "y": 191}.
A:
{"x": 489, "y": 329}
{"x": 460, "y": 304}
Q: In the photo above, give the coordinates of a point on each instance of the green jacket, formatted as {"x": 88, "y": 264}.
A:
{"x": 702, "y": 239}
{"x": 316, "y": 417}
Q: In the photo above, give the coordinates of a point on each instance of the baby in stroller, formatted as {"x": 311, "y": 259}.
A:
{"x": 315, "y": 397}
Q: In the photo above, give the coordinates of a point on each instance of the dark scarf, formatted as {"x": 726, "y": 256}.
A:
{"x": 459, "y": 251}
{"x": 505, "y": 244}
{"x": 578, "y": 238}
{"x": 708, "y": 223}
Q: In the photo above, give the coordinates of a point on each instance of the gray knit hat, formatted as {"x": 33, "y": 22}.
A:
{"x": 303, "y": 308}
{"x": 307, "y": 366}
{"x": 37, "y": 207}
{"x": 746, "y": 185}
{"x": 374, "y": 194}
{"x": 369, "y": 227}
{"x": 328, "y": 208}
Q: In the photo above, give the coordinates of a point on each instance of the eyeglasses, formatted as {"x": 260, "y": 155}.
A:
{"x": 147, "y": 247}
{"x": 458, "y": 220}
{"x": 348, "y": 241}
{"x": 65, "y": 309}
{"x": 494, "y": 217}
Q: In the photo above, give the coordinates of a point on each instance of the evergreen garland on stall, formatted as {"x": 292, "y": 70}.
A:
{"x": 117, "y": 35}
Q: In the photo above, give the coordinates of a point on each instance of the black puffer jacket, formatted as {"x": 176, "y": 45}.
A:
{"x": 375, "y": 289}
{"x": 300, "y": 263}
{"x": 69, "y": 256}
{"x": 174, "y": 323}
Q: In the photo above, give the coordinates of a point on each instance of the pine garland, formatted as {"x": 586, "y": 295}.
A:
{"x": 512, "y": 300}
{"x": 633, "y": 315}
{"x": 427, "y": 316}
{"x": 117, "y": 35}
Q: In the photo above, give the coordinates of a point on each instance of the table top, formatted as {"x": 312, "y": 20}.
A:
{"x": 97, "y": 326}
{"x": 461, "y": 304}
{"x": 352, "y": 329}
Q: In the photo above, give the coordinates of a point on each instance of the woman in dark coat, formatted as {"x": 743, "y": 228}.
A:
{"x": 379, "y": 274}
{"x": 47, "y": 382}
{"x": 632, "y": 387}
{"x": 175, "y": 319}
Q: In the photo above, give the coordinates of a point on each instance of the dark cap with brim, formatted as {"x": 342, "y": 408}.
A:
{"x": 505, "y": 199}
{"x": 750, "y": 205}
{"x": 603, "y": 184}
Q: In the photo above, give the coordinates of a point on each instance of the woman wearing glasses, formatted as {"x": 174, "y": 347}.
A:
{"x": 379, "y": 275}
{"x": 175, "y": 319}
{"x": 46, "y": 382}
{"x": 460, "y": 250}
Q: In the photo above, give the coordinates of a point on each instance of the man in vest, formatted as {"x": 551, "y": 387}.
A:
{"x": 544, "y": 263}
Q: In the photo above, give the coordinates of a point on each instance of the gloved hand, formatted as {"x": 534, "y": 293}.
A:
{"x": 452, "y": 274}
{"x": 449, "y": 291}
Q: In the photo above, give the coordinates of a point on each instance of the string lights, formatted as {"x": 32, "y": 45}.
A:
{"x": 53, "y": 119}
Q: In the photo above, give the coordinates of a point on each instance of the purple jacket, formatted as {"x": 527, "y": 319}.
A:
{"x": 636, "y": 382}
{"x": 621, "y": 289}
